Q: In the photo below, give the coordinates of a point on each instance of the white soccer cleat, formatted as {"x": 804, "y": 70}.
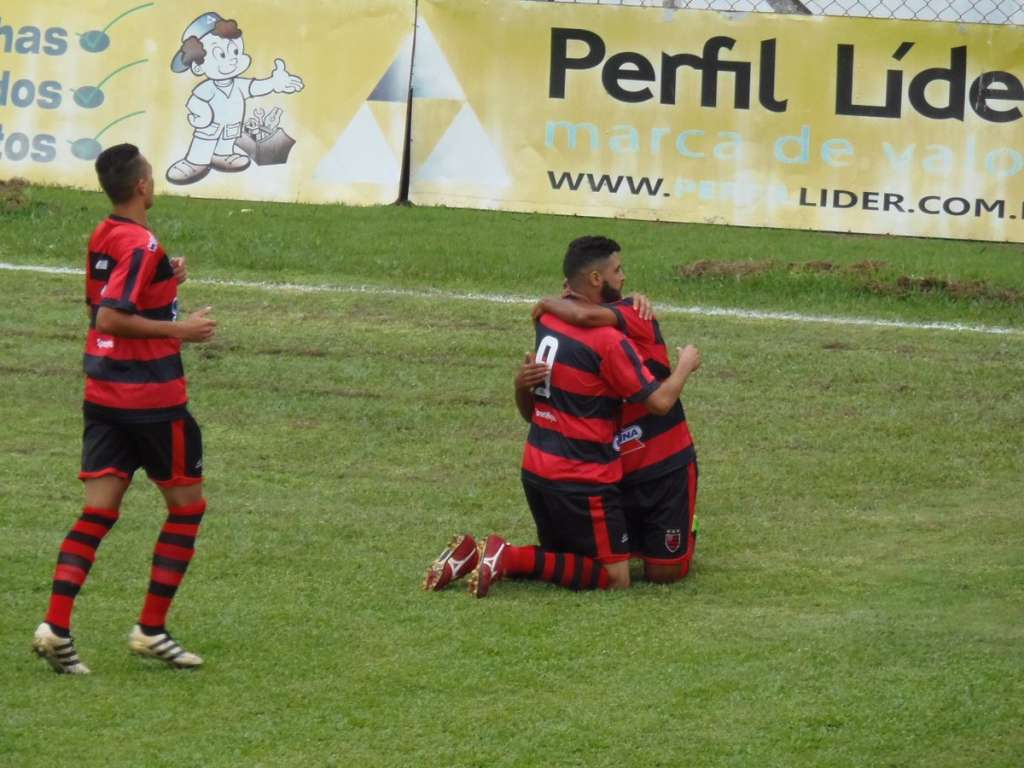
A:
{"x": 162, "y": 647}
{"x": 59, "y": 652}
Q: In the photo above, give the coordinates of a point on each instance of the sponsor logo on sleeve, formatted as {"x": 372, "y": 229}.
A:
{"x": 628, "y": 439}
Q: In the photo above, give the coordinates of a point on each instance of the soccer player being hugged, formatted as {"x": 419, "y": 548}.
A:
{"x": 135, "y": 414}
{"x": 571, "y": 391}
{"x": 659, "y": 461}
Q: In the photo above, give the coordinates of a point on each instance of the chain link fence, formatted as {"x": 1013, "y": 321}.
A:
{"x": 972, "y": 11}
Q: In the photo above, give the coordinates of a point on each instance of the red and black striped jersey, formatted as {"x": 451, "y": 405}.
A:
{"x": 650, "y": 445}
{"x": 131, "y": 380}
{"x": 576, "y": 410}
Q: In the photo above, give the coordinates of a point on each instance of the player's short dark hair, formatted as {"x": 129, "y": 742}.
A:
{"x": 584, "y": 251}
{"x": 119, "y": 169}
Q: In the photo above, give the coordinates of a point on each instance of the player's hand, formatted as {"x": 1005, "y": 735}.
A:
{"x": 689, "y": 358}
{"x": 540, "y": 308}
{"x": 197, "y": 327}
{"x": 531, "y": 373}
{"x": 180, "y": 270}
{"x": 642, "y": 305}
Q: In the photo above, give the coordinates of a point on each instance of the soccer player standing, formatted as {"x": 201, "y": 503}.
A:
{"x": 135, "y": 414}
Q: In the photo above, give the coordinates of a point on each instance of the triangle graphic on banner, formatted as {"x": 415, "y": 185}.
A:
{"x": 390, "y": 118}
{"x": 431, "y": 119}
{"x": 394, "y": 85}
{"x": 465, "y": 154}
{"x": 361, "y": 154}
{"x": 432, "y": 76}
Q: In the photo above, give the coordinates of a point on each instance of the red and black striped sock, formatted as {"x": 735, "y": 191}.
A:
{"x": 77, "y": 554}
{"x": 171, "y": 556}
{"x": 562, "y": 568}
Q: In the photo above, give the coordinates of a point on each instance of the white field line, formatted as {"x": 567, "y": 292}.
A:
{"x": 495, "y": 298}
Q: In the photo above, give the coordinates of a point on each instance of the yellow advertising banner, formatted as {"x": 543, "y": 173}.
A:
{"x": 826, "y": 123}
{"x": 256, "y": 100}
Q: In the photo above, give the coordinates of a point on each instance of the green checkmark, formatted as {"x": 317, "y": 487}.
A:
{"x": 91, "y": 96}
{"x": 88, "y": 96}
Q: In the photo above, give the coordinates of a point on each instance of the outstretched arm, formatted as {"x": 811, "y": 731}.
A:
{"x": 531, "y": 374}
{"x": 279, "y": 81}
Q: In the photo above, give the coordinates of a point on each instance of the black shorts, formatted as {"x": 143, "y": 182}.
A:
{"x": 593, "y": 525}
{"x": 171, "y": 452}
{"x": 659, "y": 515}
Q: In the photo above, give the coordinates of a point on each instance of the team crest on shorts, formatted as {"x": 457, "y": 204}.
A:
{"x": 673, "y": 539}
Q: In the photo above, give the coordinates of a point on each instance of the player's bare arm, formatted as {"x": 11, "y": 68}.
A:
{"x": 531, "y": 374}
{"x": 665, "y": 396}
{"x": 197, "y": 327}
{"x": 576, "y": 310}
{"x": 579, "y": 313}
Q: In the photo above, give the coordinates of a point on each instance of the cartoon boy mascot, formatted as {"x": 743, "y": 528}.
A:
{"x": 213, "y": 47}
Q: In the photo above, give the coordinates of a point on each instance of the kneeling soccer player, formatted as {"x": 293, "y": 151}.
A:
{"x": 571, "y": 393}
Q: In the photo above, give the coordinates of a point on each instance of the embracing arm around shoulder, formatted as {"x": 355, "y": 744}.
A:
{"x": 578, "y": 313}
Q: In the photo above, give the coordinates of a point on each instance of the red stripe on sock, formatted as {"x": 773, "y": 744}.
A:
{"x": 110, "y": 514}
{"x": 172, "y": 551}
{"x": 588, "y": 572}
{"x": 59, "y": 610}
{"x": 549, "y": 567}
{"x": 155, "y": 607}
{"x": 170, "y": 578}
{"x": 519, "y": 561}
{"x": 154, "y": 610}
{"x": 569, "y": 564}
{"x": 189, "y": 509}
{"x": 78, "y": 548}
{"x": 71, "y": 573}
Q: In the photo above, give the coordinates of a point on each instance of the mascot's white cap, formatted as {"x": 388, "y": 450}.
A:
{"x": 203, "y": 25}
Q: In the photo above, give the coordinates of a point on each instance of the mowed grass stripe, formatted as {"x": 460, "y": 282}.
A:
{"x": 663, "y": 309}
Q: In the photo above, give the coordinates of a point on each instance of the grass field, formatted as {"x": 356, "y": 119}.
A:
{"x": 857, "y": 597}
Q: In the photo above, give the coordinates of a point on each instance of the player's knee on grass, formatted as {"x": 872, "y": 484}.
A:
{"x": 666, "y": 573}
{"x": 618, "y": 574}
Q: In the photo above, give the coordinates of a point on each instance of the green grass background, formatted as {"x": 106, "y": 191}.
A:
{"x": 857, "y": 597}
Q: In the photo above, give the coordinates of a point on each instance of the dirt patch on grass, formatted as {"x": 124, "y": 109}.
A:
{"x": 289, "y": 352}
{"x": 737, "y": 269}
{"x": 973, "y": 290}
{"x": 866, "y": 275}
{"x": 867, "y": 267}
{"x": 813, "y": 266}
{"x": 12, "y": 194}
